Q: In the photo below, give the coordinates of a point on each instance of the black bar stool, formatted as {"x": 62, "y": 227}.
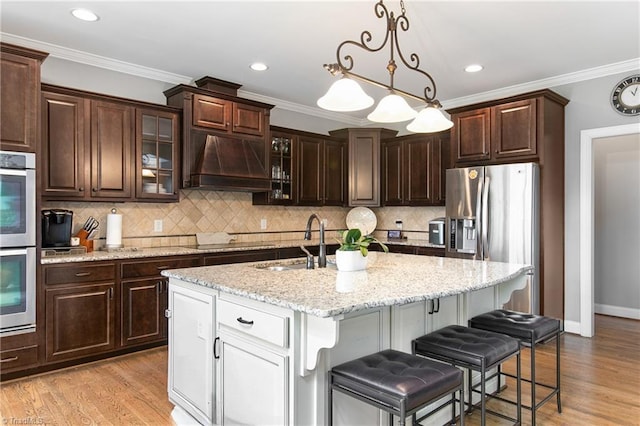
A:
{"x": 475, "y": 350}
{"x": 529, "y": 330}
{"x": 398, "y": 383}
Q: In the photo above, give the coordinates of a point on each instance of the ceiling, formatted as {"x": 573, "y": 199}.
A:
{"x": 522, "y": 45}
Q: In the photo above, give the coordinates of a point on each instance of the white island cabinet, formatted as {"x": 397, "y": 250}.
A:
{"x": 276, "y": 334}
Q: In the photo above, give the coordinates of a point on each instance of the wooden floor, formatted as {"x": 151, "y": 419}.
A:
{"x": 600, "y": 386}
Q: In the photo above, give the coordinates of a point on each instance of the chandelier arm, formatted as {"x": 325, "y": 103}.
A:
{"x": 415, "y": 61}
{"x": 365, "y": 38}
{"x": 384, "y": 86}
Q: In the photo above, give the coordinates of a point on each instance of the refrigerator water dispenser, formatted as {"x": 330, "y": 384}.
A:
{"x": 463, "y": 235}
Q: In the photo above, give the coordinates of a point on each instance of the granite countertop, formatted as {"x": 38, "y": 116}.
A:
{"x": 136, "y": 253}
{"x": 390, "y": 279}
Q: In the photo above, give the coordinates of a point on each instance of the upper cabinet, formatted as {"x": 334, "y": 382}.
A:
{"x": 364, "y": 163}
{"x": 19, "y": 97}
{"x": 413, "y": 170}
{"x": 502, "y": 131}
{"x": 226, "y": 143}
{"x": 99, "y": 148}
{"x": 307, "y": 169}
{"x": 157, "y": 153}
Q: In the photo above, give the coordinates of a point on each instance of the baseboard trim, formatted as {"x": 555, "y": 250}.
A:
{"x": 617, "y": 311}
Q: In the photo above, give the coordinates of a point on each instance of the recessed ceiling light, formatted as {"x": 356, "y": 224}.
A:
{"x": 473, "y": 68}
{"x": 259, "y": 66}
{"x": 84, "y": 15}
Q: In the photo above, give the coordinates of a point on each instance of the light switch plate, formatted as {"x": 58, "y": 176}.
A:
{"x": 157, "y": 225}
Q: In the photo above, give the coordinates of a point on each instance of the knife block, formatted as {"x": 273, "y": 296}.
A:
{"x": 88, "y": 244}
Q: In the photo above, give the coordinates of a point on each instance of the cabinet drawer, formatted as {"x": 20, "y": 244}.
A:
{"x": 259, "y": 324}
{"x": 152, "y": 268}
{"x": 18, "y": 358}
{"x": 66, "y": 274}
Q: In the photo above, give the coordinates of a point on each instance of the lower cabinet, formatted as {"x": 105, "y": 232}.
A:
{"x": 253, "y": 381}
{"x": 191, "y": 370}
{"x": 254, "y": 362}
{"x": 80, "y": 310}
{"x": 80, "y": 321}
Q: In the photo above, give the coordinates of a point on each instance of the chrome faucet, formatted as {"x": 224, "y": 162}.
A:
{"x": 322, "y": 256}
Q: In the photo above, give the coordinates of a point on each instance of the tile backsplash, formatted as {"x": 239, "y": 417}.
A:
{"x": 231, "y": 212}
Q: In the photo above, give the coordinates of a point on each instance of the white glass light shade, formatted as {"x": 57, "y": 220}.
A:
{"x": 345, "y": 95}
{"x": 430, "y": 120}
{"x": 392, "y": 109}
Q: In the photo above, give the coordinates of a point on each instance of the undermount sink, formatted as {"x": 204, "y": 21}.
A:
{"x": 290, "y": 266}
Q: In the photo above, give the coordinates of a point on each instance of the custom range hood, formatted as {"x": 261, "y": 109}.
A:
{"x": 226, "y": 163}
{"x": 225, "y": 138}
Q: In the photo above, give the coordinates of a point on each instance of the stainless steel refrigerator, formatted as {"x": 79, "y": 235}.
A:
{"x": 492, "y": 213}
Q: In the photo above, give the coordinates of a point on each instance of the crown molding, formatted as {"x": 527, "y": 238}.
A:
{"x": 632, "y": 65}
{"x": 85, "y": 58}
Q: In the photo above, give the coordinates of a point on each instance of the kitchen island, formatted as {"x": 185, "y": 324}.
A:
{"x": 252, "y": 343}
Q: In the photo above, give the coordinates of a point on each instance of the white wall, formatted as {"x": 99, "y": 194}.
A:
{"x": 589, "y": 108}
{"x": 617, "y": 225}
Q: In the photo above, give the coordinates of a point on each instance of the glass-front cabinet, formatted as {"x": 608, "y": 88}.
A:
{"x": 157, "y": 155}
{"x": 282, "y": 147}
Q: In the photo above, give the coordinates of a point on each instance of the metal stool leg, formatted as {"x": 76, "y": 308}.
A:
{"x": 533, "y": 383}
{"x": 518, "y": 388}
{"x": 559, "y": 403}
{"x": 330, "y": 407}
{"x": 483, "y": 390}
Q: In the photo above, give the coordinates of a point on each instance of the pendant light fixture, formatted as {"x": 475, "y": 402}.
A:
{"x": 347, "y": 95}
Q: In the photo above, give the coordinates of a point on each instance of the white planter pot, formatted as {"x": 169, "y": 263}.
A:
{"x": 350, "y": 261}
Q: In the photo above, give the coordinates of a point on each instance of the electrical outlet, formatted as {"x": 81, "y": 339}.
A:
{"x": 263, "y": 224}
{"x": 399, "y": 224}
{"x": 157, "y": 225}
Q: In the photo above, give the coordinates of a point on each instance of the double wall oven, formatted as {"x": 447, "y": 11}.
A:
{"x": 17, "y": 242}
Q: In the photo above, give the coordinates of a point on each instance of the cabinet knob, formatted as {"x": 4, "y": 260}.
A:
{"x": 94, "y": 189}
{"x": 80, "y": 189}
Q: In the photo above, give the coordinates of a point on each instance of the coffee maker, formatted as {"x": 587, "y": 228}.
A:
{"x": 56, "y": 227}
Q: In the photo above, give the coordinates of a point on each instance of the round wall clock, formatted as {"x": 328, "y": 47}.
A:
{"x": 625, "y": 97}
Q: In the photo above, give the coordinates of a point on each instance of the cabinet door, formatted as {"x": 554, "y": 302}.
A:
{"x": 20, "y": 100}
{"x": 513, "y": 129}
{"x": 335, "y": 162}
{"x": 364, "y": 168}
{"x": 249, "y": 120}
{"x": 65, "y": 139}
{"x": 142, "y": 311}
{"x": 111, "y": 149}
{"x": 191, "y": 375}
{"x": 211, "y": 112}
{"x": 253, "y": 384}
{"x": 442, "y": 312}
{"x": 471, "y": 135}
{"x": 80, "y": 321}
{"x": 156, "y": 155}
{"x": 438, "y": 164}
{"x": 418, "y": 171}
{"x": 309, "y": 171}
{"x": 392, "y": 169}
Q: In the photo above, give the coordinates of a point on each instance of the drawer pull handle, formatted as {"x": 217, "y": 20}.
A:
{"x": 244, "y": 321}
{"x": 83, "y": 274}
{"x": 13, "y": 358}
{"x": 160, "y": 268}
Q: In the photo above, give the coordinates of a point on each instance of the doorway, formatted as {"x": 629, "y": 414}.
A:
{"x": 587, "y": 209}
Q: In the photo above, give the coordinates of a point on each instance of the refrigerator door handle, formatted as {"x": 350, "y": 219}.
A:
{"x": 479, "y": 220}
{"x": 485, "y": 218}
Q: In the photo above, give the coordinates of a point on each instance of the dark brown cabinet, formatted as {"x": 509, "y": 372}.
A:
{"x": 528, "y": 127}
{"x": 225, "y": 139}
{"x": 363, "y": 164}
{"x": 19, "y": 97}
{"x": 228, "y": 116}
{"x": 321, "y": 171}
{"x": 497, "y": 133}
{"x": 413, "y": 170}
{"x": 88, "y": 145}
{"x": 144, "y": 298}
{"x": 80, "y": 306}
{"x": 157, "y": 154}
{"x": 283, "y": 171}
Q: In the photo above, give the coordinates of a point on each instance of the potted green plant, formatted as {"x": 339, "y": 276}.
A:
{"x": 354, "y": 247}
